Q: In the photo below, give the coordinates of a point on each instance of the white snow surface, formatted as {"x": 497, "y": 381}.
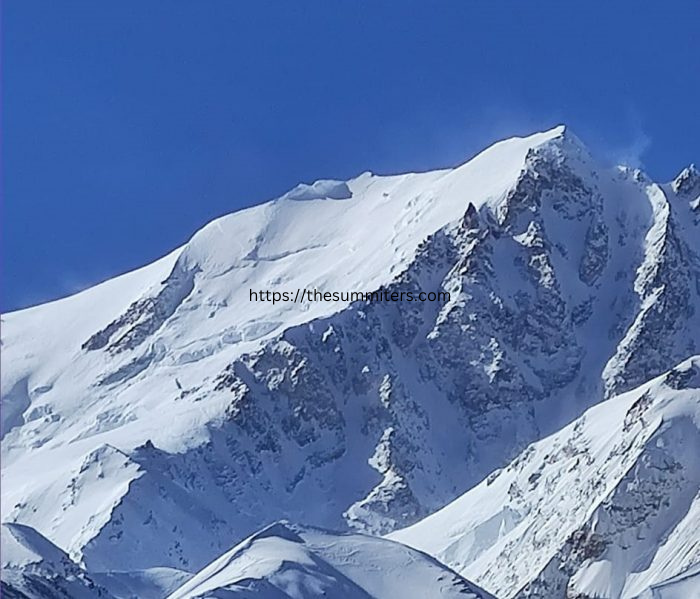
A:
{"x": 295, "y": 562}
{"x": 605, "y": 508}
{"x": 684, "y": 586}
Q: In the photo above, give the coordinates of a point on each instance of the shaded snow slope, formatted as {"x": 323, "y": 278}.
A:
{"x": 166, "y": 402}
{"x": 605, "y": 508}
{"x": 683, "y": 586}
{"x": 34, "y": 568}
{"x": 289, "y": 561}
{"x": 152, "y": 583}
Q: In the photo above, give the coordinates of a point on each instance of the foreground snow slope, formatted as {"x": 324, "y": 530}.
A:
{"x": 150, "y": 420}
{"x": 605, "y": 508}
{"x": 34, "y": 568}
{"x": 290, "y": 561}
{"x": 683, "y": 586}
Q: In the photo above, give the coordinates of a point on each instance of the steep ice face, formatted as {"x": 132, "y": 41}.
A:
{"x": 166, "y": 401}
{"x": 319, "y": 190}
{"x": 607, "y": 507}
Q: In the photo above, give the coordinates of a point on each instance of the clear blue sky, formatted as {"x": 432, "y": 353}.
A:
{"x": 127, "y": 125}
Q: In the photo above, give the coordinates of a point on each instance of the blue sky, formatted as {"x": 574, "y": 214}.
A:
{"x": 128, "y": 125}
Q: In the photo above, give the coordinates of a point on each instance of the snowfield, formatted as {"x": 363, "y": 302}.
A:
{"x": 607, "y": 507}
{"x": 537, "y": 432}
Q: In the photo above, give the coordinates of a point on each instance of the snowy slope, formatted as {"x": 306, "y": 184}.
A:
{"x": 151, "y": 583}
{"x": 290, "y": 561}
{"x": 34, "y": 568}
{"x": 683, "y": 586}
{"x": 165, "y": 402}
{"x": 605, "y": 508}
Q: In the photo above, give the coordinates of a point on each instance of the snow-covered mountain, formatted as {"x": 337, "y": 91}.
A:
{"x": 288, "y": 561}
{"x": 605, "y": 508}
{"x": 166, "y": 402}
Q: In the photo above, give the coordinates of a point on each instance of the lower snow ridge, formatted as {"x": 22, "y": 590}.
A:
{"x": 607, "y": 508}
{"x": 286, "y": 561}
{"x": 684, "y": 586}
{"x": 34, "y": 568}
